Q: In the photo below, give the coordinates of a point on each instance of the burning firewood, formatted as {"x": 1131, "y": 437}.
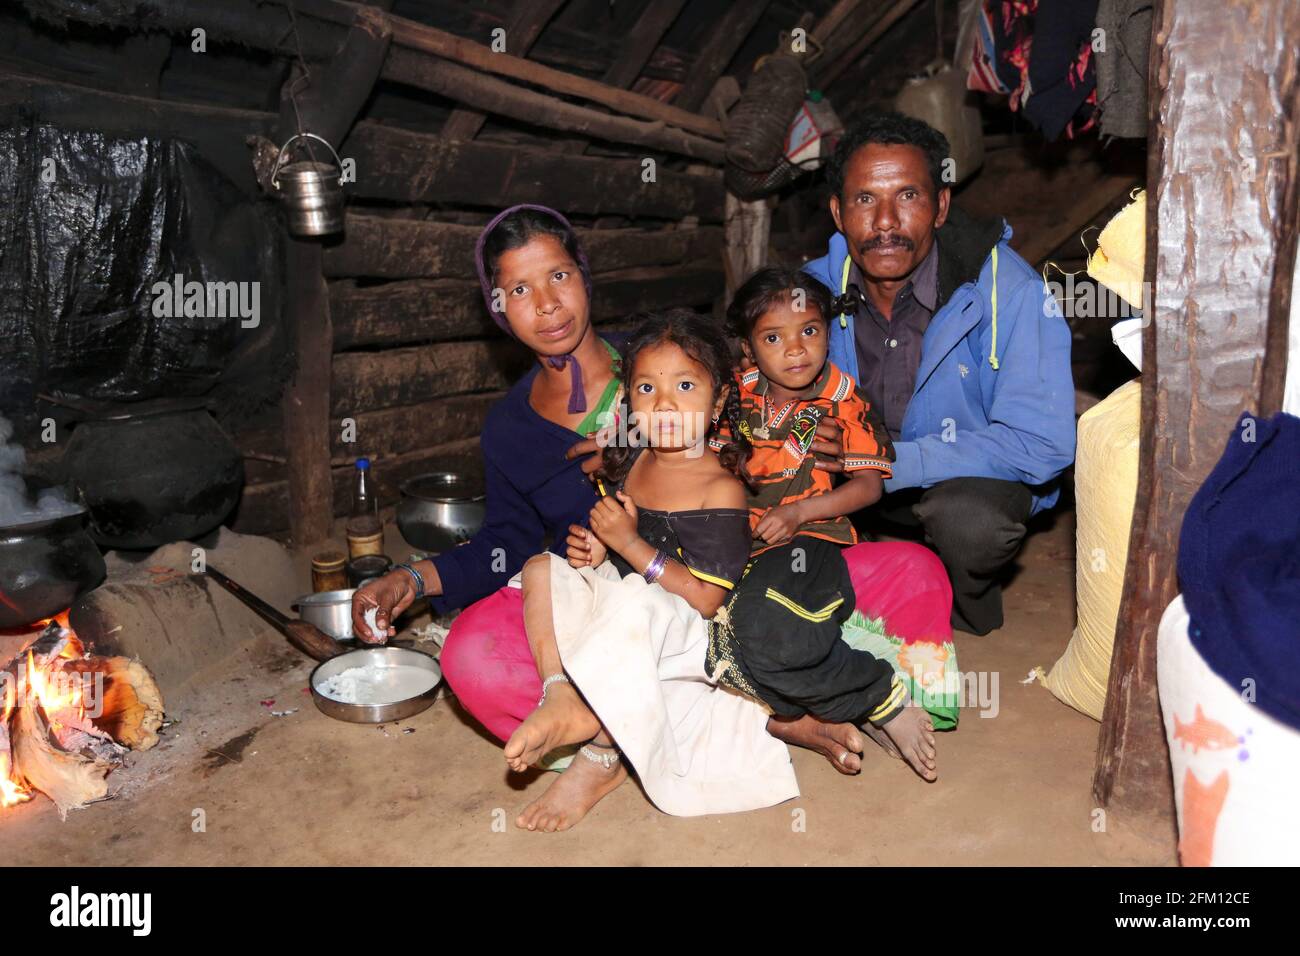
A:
{"x": 68, "y": 720}
{"x": 132, "y": 708}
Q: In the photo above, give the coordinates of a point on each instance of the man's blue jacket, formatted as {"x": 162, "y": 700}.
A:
{"x": 994, "y": 394}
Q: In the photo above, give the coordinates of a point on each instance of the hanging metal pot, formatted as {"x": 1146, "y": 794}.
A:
{"x": 312, "y": 191}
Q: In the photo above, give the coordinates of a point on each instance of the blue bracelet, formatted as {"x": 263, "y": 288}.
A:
{"x": 415, "y": 576}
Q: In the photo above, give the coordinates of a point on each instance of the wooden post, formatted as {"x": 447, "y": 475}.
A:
{"x": 1222, "y": 166}
{"x": 328, "y": 106}
{"x": 748, "y": 228}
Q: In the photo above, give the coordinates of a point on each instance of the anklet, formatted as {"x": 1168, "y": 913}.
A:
{"x": 605, "y": 760}
{"x": 554, "y": 678}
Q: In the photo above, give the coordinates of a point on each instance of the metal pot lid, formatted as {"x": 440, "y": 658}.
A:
{"x": 324, "y": 598}
{"x": 73, "y": 516}
{"x": 150, "y": 408}
{"x": 444, "y": 487}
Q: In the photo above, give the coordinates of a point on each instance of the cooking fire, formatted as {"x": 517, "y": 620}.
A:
{"x": 68, "y": 718}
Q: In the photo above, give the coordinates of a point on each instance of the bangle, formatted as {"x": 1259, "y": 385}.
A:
{"x": 655, "y": 569}
{"x": 415, "y": 576}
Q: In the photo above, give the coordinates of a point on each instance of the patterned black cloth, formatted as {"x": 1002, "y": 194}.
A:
{"x": 780, "y": 637}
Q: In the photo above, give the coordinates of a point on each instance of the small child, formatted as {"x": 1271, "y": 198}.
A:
{"x": 619, "y": 632}
{"x": 780, "y": 634}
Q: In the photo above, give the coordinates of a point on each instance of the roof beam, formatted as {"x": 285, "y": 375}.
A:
{"x": 727, "y": 36}
{"x": 527, "y": 21}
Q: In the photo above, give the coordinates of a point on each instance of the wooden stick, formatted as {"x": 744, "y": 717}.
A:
{"x": 393, "y": 164}
{"x": 875, "y": 31}
{"x": 834, "y": 17}
{"x": 725, "y": 39}
{"x": 650, "y": 28}
{"x": 264, "y": 27}
{"x": 421, "y": 38}
{"x": 505, "y": 99}
{"x": 1094, "y": 201}
{"x": 527, "y": 20}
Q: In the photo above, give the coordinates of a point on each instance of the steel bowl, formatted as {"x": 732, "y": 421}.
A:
{"x": 331, "y": 611}
{"x": 440, "y": 510}
{"x": 385, "y": 656}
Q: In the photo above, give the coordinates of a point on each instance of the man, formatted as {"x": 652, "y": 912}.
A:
{"x": 960, "y": 348}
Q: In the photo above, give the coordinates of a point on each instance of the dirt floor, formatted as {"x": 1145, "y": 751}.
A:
{"x": 231, "y": 784}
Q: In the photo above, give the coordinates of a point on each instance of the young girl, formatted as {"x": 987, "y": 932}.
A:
{"x": 781, "y": 634}
{"x": 619, "y": 629}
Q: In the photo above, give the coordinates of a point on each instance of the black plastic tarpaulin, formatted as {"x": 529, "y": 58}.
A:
{"x": 131, "y": 269}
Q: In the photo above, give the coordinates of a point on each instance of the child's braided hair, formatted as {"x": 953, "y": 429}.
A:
{"x": 704, "y": 342}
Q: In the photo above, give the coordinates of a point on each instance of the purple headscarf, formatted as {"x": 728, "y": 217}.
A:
{"x": 577, "y": 397}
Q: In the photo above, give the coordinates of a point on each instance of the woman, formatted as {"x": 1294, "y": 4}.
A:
{"x": 537, "y": 454}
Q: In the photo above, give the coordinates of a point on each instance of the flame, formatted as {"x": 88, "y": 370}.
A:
{"x": 51, "y": 693}
{"x": 54, "y": 696}
{"x": 11, "y": 791}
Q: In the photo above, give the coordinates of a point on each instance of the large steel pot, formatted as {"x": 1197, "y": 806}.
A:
{"x": 44, "y": 566}
{"x": 440, "y": 510}
{"x": 156, "y": 475}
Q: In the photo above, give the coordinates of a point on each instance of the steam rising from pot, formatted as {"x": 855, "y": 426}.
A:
{"x": 16, "y": 505}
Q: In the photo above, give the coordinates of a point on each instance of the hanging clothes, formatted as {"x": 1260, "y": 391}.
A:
{"x": 1122, "y": 66}
{"x": 1041, "y": 56}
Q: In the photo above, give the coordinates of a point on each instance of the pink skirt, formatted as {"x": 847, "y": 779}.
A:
{"x": 487, "y": 661}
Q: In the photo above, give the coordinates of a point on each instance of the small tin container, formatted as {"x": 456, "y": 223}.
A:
{"x": 360, "y": 545}
{"x": 328, "y": 571}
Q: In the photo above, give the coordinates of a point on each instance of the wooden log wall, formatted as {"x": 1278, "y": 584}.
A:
{"x": 417, "y": 362}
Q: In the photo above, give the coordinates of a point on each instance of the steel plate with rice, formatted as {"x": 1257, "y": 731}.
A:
{"x": 372, "y": 685}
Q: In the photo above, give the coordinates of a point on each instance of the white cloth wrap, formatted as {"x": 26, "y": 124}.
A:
{"x": 637, "y": 654}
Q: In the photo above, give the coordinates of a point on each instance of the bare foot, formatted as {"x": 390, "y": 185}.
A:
{"x": 574, "y": 792}
{"x": 913, "y": 735}
{"x": 841, "y": 744}
{"x": 563, "y": 719}
{"x": 882, "y": 738}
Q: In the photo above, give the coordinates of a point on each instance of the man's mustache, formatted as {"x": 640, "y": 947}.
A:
{"x": 885, "y": 242}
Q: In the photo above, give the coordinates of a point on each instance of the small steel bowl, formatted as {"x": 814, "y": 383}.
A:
{"x": 383, "y": 656}
{"x": 331, "y": 611}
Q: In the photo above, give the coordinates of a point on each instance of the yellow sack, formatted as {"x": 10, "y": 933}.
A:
{"x": 1120, "y": 260}
{"x": 1105, "y": 486}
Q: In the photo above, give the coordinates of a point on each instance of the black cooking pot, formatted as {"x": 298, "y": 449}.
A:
{"x": 45, "y": 566}
{"x": 154, "y": 475}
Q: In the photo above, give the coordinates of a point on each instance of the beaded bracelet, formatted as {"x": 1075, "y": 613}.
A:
{"x": 655, "y": 569}
{"x": 415, "y": 576}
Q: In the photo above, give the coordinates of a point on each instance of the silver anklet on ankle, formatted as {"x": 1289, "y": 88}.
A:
{"x": 606, "y": 760}
{"x": 554, "y": 678}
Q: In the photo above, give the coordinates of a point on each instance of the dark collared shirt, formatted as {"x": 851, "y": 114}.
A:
{"x": 889, "y": 350}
